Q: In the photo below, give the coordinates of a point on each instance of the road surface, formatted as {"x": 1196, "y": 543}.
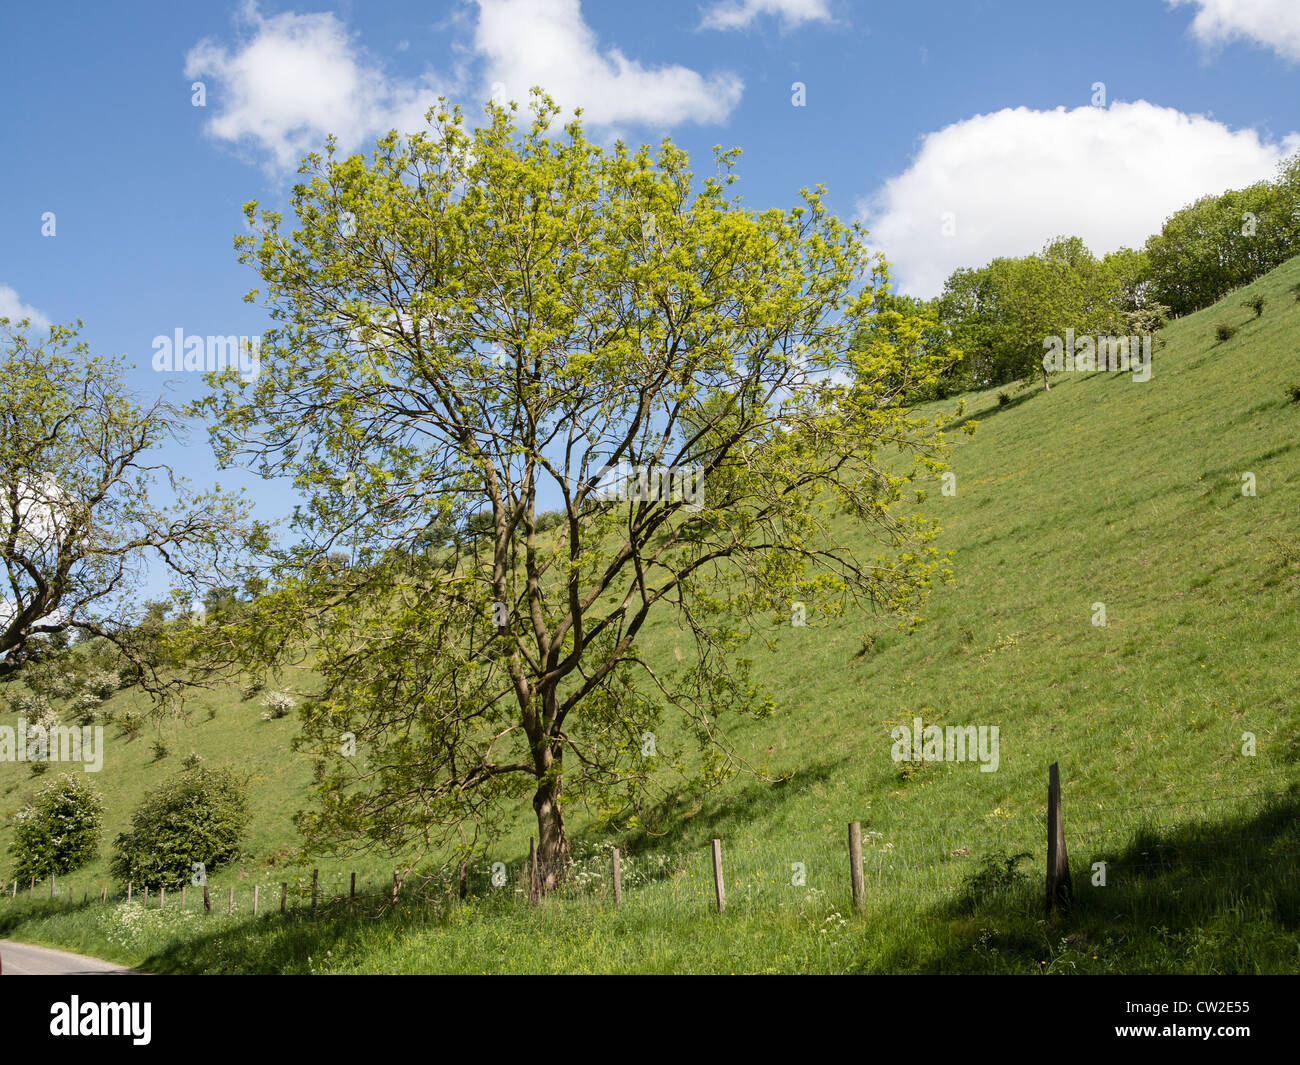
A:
{"x": 22, "y": 959}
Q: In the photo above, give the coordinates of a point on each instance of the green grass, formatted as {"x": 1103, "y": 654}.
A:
{"x": 1102, "y": 490}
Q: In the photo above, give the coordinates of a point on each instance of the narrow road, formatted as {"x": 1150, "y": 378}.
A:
{"x": 22, "y": 959}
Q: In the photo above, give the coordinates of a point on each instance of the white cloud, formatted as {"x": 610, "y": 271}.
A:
{"x": 739, "y": 14}
{"x": 1014, "y": 179}
{"x": 547, "y": 43}
{"x": 1272, "y": 23}
{"x": 293, "y": 79}
{"x": 15, "y": 310}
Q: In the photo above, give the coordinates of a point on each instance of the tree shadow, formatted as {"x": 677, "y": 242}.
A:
{"x": 1196, "y": 897}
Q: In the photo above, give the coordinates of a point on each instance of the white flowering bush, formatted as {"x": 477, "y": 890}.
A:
{"x": 102, "y": 684}
{"x": 58, "y": 831}
{"x": 32, "y": 707}
{"x": 278, "y": 704}
{"x": 85, "y": 708}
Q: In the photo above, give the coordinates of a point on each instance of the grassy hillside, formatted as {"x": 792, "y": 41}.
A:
{"x": 1101, "y": 491}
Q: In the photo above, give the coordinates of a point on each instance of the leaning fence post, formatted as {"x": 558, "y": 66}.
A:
{"x": 1059, "y": 888}
{"x": 618, "y": 877}
{"x": 719, "y": 889}
{"x": 532, "y": 871}
{"x": 855, "y": 866}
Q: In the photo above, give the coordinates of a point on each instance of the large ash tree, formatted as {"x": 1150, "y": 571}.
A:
{"x": 475, "y": 327}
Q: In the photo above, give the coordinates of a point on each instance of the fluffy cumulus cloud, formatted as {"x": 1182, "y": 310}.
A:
{"x": 293, "y": 79}
{"x": 1006, "y": 183}
{"x": 739, "y": 14}
{"x": 1274, "y": 24}
{"x": 547, "y": 43}
{"x": 16, "y": 310}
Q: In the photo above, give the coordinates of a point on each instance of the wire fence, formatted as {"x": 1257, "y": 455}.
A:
{"x": 1244, "y": 835}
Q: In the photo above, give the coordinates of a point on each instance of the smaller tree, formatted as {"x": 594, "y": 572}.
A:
{"x": 58, "y": 831}
{"x": 196, "y": 817}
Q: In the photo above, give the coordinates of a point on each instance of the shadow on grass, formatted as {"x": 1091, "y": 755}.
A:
{"x": 1208, "y": 896}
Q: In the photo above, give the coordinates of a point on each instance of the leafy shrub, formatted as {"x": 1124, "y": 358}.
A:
{"x": 58, "y": 831}
{"x": 1224, "y": 331}
{"x": 85, "y": 708}
{"x": 132, "y": 722}
{"x": 1256, "y": 304}
{"x": 196, "y": 816}
{"x": 192, "y": 760}
{"x": 103, "y": 684}
{"x": 1295, "y": 393}
{"x": 278, "y": 704}
{"x": 31, "y": 707}
{"x": 1003, "y": 399}
{"x": 160, "y": 750}
{"x": 996, "y": 878}
{"x": 250, "y": 689}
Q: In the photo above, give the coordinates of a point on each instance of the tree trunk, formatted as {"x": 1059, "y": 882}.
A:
{"x": 552, "y": 843}
{"x": 1047, "y": 385}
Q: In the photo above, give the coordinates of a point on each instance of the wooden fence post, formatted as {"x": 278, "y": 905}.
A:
{"x": 618, "y": 878}
{"x": 464, "y": 879}
{"x": 256, "y": 891}
{"x": 31, "y": 890}
{"x": 207, "y": 902}
{"x": 533, "y": 893}
{"x": 162, "y": 898}
{"x": 51, "y": 886}
{"x": 314, "y": 874}
{"x": 69, "y": 894}
{"x": 395, "y": 887}
{"x": 146, "y": 896}
{"x": 284, "y": 894}
{"x": 103, "y": 892}
{"x": 128, "y": 891}
{"x": 719, "y": 889}
{"x": 230, "y": 909}
{"x": 183, "y": 887}
{"x": 1059, "y": 888}
{"x": 855, "y": 866}
{"x": 352, "y": 895}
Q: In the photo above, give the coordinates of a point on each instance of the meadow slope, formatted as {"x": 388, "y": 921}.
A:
{"x": 1101, "y": 491}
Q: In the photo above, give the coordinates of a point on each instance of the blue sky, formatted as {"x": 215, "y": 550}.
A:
{"x": 957, "y": 131}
